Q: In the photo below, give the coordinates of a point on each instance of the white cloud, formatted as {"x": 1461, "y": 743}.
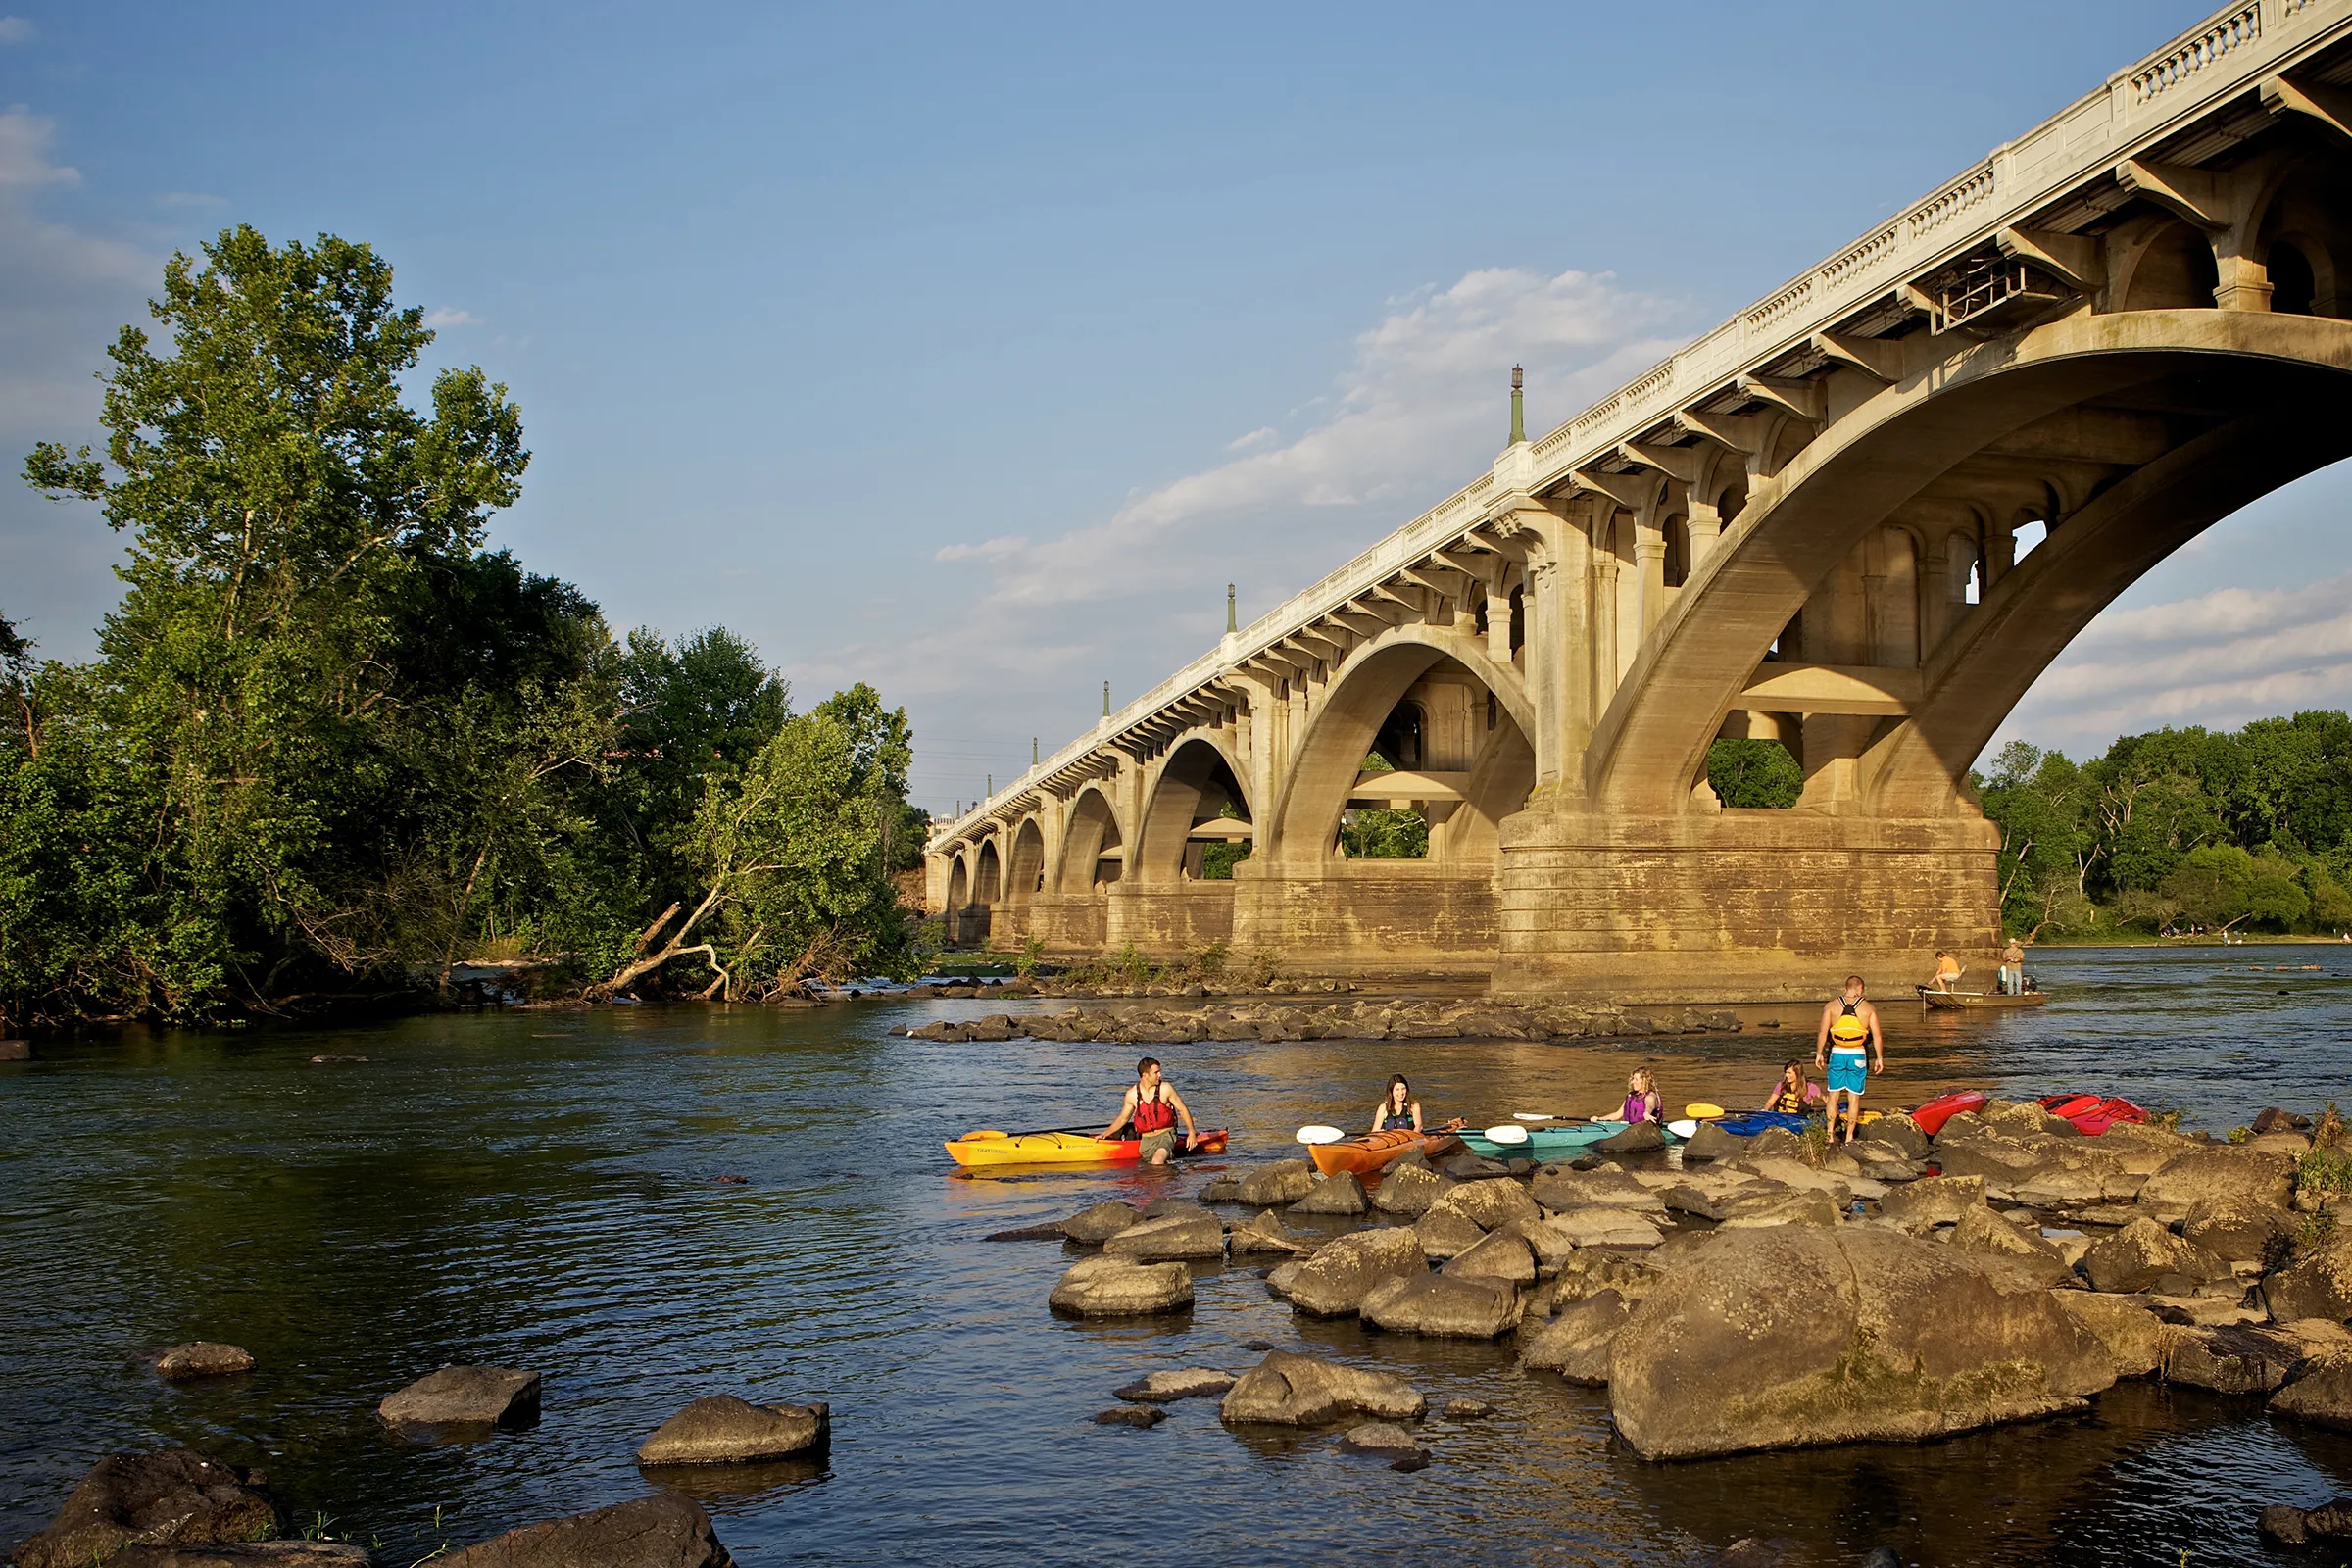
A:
{"x": 1012, "y": 544}
{"x": 16, "y": 29}
{"x": 2216, "y": 659}
{"x": 1263, "y": 436}
{"x": 25, "y": 151}
{"x": 447, "y": 315}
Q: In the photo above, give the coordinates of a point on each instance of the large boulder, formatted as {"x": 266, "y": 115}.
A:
{"x": 1342, "y": 1193}
{"x": 2137, "y": 1337}
{"x": 1408, "y": 1190}
{"x": 174, "y": 1498}
{"x": 1119, "y": 1287}
{"x": 1305, "y": 1391}
{"x": 1447, "y": 1232}
{"x": 2003, "y": 1161}
{"x": 1802, "y": 1335}
{"x": 1641, "y": 1138}
{"x": 1097, "y": 1223}
{"x": 2232, "y": 1360}
{"x": 1504, "y": 1257}
{"x": 1711, "y": 1142}
{"x": 1563, "y": 1190}
{"x": 1897, "y": 1132}
{"x": 2029, "y": 1254}
{"x": 1709, "y": 1194}
{"x": 1920, "y": 1206}
{"x": 1446, "y": 1306}
{"x": 1285, "y": 1181}
{"x": 725, "y": 1430}
{"x": 2145, "y": 1256}
{"x": 662, "y": 1531}
{"x": 2322, "y": 1395}
{"x": 2235, "y": 1228}
{"x": 464, "y": 1396}
{"x": 1491, "y": 1204}
{"x": 1332, "y": 1282}
{"x": 2320, "y": 1285}
{"x": 2217, "y": 1170}
{"x": 1577, "y": 1344}
{"x": 1171, "y": 1237}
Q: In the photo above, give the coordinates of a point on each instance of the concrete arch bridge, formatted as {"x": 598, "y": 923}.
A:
{"x": 1861, "y": 517}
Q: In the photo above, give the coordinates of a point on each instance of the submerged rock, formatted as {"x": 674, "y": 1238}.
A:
{"x": 1301, "y": 1390}
{"x": 1116, "y": 1286}
{"x": 174, "y": 1498}
{"x": 662, "y": 1531}
{"x": 1381, "y": 1439}
{"x": 201, "y": 1358}
{"x": 1131, "y": 1415}
{"x": 1198, "y": 1234}
{"x": 464, "y": 1397}
{"x": 1798, "y": 1336}
{"x": 723, "y": 1429}
{"x": 1187, "y": 1382}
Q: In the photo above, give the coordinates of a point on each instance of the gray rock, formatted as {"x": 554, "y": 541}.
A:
{"x": 1769, "y": 1211}
{"x": 1173, "y": 1236}
{"x": 1097, "y": 1223}
{"x": 2145, "y": 1256}
{"x": 201, "y": 1358}
{"x": 722, "y": 1429}
{"x": 246, "y": 1554}
{"x": 1443, "y": 1307}
{"x": 1467, "y": 1409}
{"x": 1285, "y": 1181}
{"x": 662, "y": 1531}
{"x": 2135, "y": 1338}
{"x": 1146, "y": 1416}
{"x": 1381, "y": 1438}
{"x": 1577, "y": 1344}
{"x": 1802, "y": 1335}
{"x": 1504, "y": 1257}
{"x": 174, "y": 1498}
{"x": 1984, "y": 1232}
{"x": 1188, "y": 1383}
{"x": 2322, "y": 1395}
{"x": 2217, "y": 1170}
{"x": 2320, "y": 1285}
{"x": 1564, "y": 1189}
{"x": 1222, "y": 1190}
{"x": 1897, "y": 1132}
{"x": 464, "y": 1396}
{"x": 1117, "y": 1286}
{"x": 1775, "y": 1143}
{"x": 1605, "y": 1227}
{"x": 2232, "y": 1360}
{"x": 1304, "y": 1391}
{"x": 1590, "y": 1273}
{"x": 1711, "y": 1142}
{"x": 1641, "y": 1138}
{"x": 1490, "y": 1204}
{"x": 1447, "y": 1232}
{"x": 1265, "y": 1234}
{"x": 1341, "y": 1194}
{"x": 1332, "y": 1282}
{"x": 1469, "y": 1168}
{"x": 2236, "y": 1227}
{"x": 1410, "y": 1189}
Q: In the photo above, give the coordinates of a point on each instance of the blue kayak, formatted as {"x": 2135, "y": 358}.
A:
{"x": 1748, "y": 1123}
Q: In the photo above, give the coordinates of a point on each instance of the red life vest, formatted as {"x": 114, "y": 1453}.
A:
{"x": 1152, "y": 1114}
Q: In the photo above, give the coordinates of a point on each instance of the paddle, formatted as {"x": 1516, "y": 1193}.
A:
{"x": 1682, "y": 1129}
{"x": 1317, "y": 1133}
{"x": 1701, "y": 1110}
{"x": 1509, "y": 1133}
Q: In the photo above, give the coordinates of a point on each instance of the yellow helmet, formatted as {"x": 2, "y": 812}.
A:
{"x": 1849, "y": 1027}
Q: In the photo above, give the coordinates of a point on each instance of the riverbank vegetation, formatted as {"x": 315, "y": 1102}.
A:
{"x": 333, "y": 746}
{"x": 2173, "y": 831}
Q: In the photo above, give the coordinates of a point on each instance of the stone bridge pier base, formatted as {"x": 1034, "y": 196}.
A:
{"x": 1742, "y": 905}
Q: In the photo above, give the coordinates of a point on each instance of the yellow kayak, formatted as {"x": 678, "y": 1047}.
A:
{"x": 989, "y": 1147}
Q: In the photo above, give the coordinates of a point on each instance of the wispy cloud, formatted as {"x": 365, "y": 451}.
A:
{"x": 25, "y": 151}
{"x": 16, "y": 29}
{"x": 447, "y": 316}
{"x": 1012, "y": 544}
{"x": 1265, "y": 436}
{"x": 2216, "y": 659}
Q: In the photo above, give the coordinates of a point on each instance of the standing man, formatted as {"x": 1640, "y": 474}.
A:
{"x": 2013, "y": 968}
{"x": 1849, "y": 1024}
{"x": 1153, "y": 1105}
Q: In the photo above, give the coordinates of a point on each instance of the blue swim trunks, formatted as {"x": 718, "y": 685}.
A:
{"x": 1849, "y": 1071}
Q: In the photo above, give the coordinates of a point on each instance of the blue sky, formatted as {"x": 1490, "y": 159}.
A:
{"x": 972, "y": 351}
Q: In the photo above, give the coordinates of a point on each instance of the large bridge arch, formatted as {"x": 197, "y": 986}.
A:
{"x": 1093, "y": 836}
{"x": 1192, "y": 783}
{"x": 2241, "y": 402}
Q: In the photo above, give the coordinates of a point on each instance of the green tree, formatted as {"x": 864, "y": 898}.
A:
{"x": 2041, "y": 803}
{"x": 1747, "y": 773}
{"x": 1382, "y": 832}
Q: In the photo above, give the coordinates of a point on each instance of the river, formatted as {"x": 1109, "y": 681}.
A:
{"x": 541, "y": 1188}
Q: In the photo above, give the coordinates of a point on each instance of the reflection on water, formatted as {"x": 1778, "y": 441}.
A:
{"x": 544, "y": 1190}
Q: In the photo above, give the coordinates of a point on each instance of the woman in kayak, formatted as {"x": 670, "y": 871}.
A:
{"x": 1641, "y": 1101}
{"x": 1794, "y": 1093}
{"x": 1397, "y": 1110}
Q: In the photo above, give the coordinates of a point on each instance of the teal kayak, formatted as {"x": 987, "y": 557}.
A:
{"x": 1544, "y": 1143}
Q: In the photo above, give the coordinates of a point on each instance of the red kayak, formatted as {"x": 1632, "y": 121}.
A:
{"x": 1932, "y": 1116}
{"x": 2092, "y": 1115}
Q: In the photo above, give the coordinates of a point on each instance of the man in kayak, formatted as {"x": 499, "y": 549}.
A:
{"x": 1153, "y": 1108}
{"x": 1849, "y": 1024}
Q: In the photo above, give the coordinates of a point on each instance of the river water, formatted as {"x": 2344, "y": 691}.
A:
{"x": 541, "y": 1190}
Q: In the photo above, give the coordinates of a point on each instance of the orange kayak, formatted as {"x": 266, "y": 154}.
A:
{"x": 1366, "y": 1156}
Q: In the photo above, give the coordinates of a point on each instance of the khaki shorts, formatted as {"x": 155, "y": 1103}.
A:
{"x": 1161, "y": 1141}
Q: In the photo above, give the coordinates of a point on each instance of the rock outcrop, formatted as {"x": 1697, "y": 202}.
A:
{"x": 1802, "y": 1335}
{"x": 2322, "y": 1395}
{"x": 2145, "y": 1256}
{"x": 1304, "y": 1391}
{"x": 2215, "y": 1171}
{"x": 1097, "y": 1223}
{"x": 2320, "y": 1285}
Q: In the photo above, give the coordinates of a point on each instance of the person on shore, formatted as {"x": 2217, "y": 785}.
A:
{"x": 1641, "y": 1101}
{"x": 1947, "y": 971}
{"x": 2013, "y": 968}
{"x": 1153, "y": 1108}
{"x": 1793, "y": 1094}
{"x": 1851, "y": 1046}
{"x": 1397, "y": 1110}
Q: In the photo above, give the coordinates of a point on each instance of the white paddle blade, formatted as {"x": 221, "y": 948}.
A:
{"x": 1320, "y": 1135}
{"x": 1533, "y": 1115}
{"x": 1682, "y": 1129}
{"x": 1510, "y": 1132}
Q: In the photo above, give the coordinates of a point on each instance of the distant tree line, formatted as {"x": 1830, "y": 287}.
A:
{"x": 332, "y": 746}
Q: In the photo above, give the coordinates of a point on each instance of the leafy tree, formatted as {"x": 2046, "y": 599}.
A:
{"x": 1380, "y": 832}
{"x": 1747, "y": 773}
{"x": 2040, "y": 802}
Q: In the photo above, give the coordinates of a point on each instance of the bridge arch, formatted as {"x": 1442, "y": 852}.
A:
{"x": 1199, "y": 774}
{"x": 1486, "y": 741}
{"x": 1026, "y": 864}
{"x": 2202, "y": 410}
{"x": 1091, "y": 840}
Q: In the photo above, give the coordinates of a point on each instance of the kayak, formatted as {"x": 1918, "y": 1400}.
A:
{"x": 1955, "y": 1001}
{"x": 2092, "y": 1115}
{"x": 1544, "y": 1143}
{"x": 1748, "y": 1123}
{"x": 1367, "y": 1155}
{"x": 1932, "y": 1116}
{"x": 989, "y": 1147}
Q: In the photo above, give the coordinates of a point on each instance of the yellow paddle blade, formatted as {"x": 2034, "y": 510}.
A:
{"x": 1700, "y": 1111}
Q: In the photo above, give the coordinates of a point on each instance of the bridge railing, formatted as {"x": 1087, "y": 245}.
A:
{"x": 2224, "y": 55}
